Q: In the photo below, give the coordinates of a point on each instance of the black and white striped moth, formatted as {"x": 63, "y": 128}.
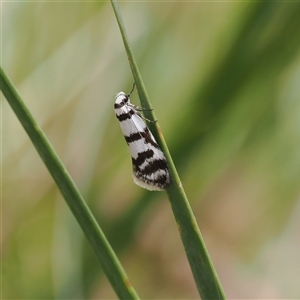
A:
{"x": 149, "y": 165}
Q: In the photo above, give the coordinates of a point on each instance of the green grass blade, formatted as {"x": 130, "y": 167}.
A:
{"x": 80, "y": 210}
{"x": 204, "y": 274}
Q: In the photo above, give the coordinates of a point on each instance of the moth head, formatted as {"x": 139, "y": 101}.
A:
{"x": 121, "y": 99}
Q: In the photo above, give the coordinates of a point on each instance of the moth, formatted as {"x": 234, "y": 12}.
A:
{"x": 149, "y": 165}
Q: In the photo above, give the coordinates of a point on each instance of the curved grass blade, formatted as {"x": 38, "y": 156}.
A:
{"x": 204, "y": 273}
{"x": 109, "y": 261}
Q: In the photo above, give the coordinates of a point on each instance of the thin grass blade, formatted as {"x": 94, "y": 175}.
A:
{"x": 109, "y": 261}
{"x": 204, "y": 273}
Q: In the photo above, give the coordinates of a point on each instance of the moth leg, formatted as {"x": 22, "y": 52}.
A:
{"x": 145, "y": 118}
{"x": 139, "y": 108}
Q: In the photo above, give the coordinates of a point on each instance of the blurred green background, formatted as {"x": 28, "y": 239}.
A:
{"x": 224, "y": 80}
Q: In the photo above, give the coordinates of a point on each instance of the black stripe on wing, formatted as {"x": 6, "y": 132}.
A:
{"x": 152, "y": 166}
{"x": 125, "y": 116}
{"x": 133, "y": 137}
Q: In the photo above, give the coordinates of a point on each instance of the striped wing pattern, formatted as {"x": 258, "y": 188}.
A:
{"x": 150, "y": 169}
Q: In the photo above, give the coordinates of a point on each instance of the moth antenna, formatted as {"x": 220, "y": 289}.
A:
{"x": 133, "y": 86}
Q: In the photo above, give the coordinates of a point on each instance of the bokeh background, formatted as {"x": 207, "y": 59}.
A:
{"x": 224, "y": 80}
